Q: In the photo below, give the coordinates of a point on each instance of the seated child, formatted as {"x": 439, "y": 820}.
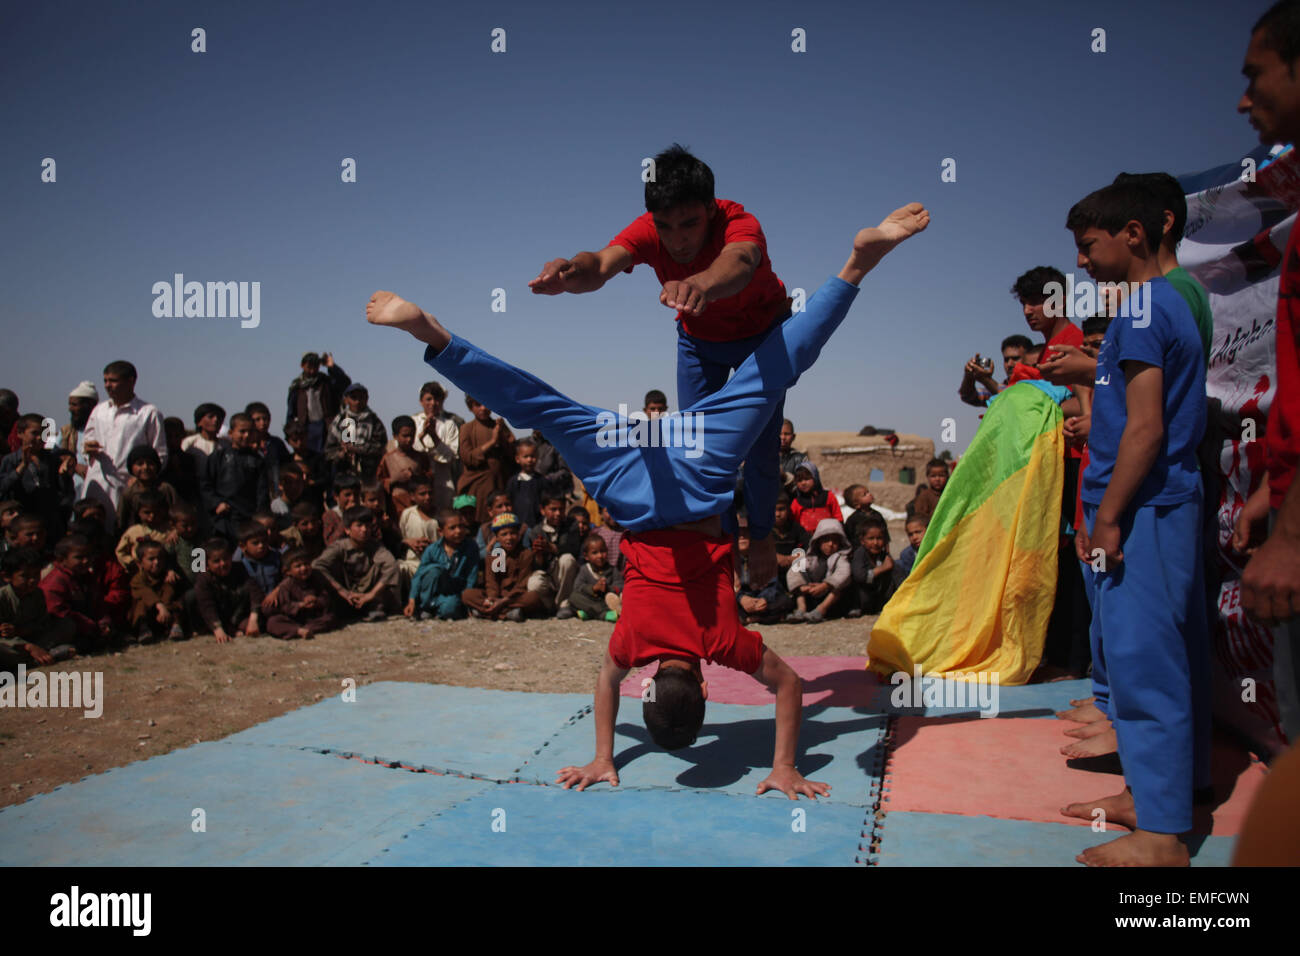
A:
{"x": 824, "y": 576}
{"x": 154, "y": 516}
{"x": 299, "y": 606}
{"x": 812, "y": 504}
{"x": 507, "y": 566}
{"x": 306, "y": 532}
{"x": 448, "y": 567}
{"x": 927, "y": 495}
{"x": 915, "y": 528}
{"x": 557, "y": 545}
{"x": 597, "y": 591}
{"x": 25, "y": 530}
{"x": 403, "y": 464}
{"x": 581, "y": 519}
{"x": 873, "y": 568}
{"x": 678, "y": 603}
{"x": 29, "y": 634}
{"x": 860, "y": 499}
{"x": 373, "y": 497}
{"x": 418, "y": 524}
{"x": 72, "y": 593}
{"x": 360, "y": 569}
{"x": 760, "y": 603}
{"x": 270, "y": 523}
{"x": 9, "y": 510}
{"x": 156, "y": 609}
{"x": 260, "y": 561}
{"x": 293, "y": 488}
{"x": 467, "y": 507}
{"x": 498, "y": 504}
{"x": 183, "y": 542}
{"x": 790, "y": 538}
{"x": 525, "y": 486}
{"x": 225, "y": 602}
{"x": 612, "y": 533}
{"x": 109, "y": 579}
{"x": 38, "y": 477}
{"x": 146, "y": 471}
{"x": 347, "y": 495}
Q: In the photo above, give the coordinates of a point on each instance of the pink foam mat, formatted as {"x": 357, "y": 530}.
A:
{"x": 1011, "y": 769}
{"x": 831, "y": 681}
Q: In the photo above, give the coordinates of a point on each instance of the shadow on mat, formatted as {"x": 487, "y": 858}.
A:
{"x": 741, "y": 746}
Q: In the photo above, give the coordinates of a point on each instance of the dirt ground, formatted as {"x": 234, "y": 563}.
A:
{"x": 161, "y": 697}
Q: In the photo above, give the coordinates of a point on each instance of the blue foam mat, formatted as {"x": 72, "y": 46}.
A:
{"x": 943, "y": 839}
{"x": 837, "y": 745}
{"x": 549, "y": 826}
{"x": 262, "y": 806}
{"x": 488, "y": 733}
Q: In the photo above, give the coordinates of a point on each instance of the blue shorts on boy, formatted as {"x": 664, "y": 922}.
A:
{"x": 1155, "y": 654}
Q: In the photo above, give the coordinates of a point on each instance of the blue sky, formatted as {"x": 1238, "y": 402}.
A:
{"x": 474, "y": 168}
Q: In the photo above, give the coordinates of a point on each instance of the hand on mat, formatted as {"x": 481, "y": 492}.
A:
{"x": 791, "y": 782}
{"x": 600, "y": 769}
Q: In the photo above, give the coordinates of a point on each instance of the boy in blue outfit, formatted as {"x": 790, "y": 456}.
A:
{"x": 1142, "y": 516}
{"x": 674, "y": 497}
{"x": 448, "y": 566}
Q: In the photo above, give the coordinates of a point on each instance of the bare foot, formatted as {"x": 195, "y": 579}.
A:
{"x": 1084, "y": 714}
{"x": 1139, "y": 848}
{"x": 1084, "y": 731}
{"x": 1118, "y": 809}
{"x": 1103, "y": 743}
{"x": 872, "y": 245}
{"x": 304, "y": 633}
{"x": 1082, "y": 700}
{"x": 386, "y": 308}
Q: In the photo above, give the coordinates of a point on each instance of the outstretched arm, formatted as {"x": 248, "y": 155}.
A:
{"x": 730, "y": 272}
{"x": 585, "y": 272}
{"x": 788, "y": 686}
{"x": 602, "y": 765}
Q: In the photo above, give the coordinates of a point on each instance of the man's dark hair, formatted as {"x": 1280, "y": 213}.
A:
{"x": 142, "y": 453}
{"x": 676, "y": 712}
{"x": 18, "y": 558}
{"x": 1029, "y": 287}
{"x": 310, "y": 358}
{"x": 252, "y": 408}
{"x": 1112, "y": 207}
{"x": 678, "y": 178}
{"x": 1168, "y": 193}
{"x": 1016, "y": 341}
{"x": 121, "y": 369}
{"x": 1281, "y": 26}
{"x": 8, "y": 399}
{"x": 31, "y": 418}
{"x": 656, "y": 396}
{"x": 435, "y": 389}
{"x": 403, "y": 421}
{"x": 1095, "y": 324}
{"x": 357, "y": 513}
{"x": 209, "y": 408}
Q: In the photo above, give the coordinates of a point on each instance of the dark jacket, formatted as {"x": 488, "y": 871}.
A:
{"x": 331, "y": 380}
{"x": 237, "y": 477}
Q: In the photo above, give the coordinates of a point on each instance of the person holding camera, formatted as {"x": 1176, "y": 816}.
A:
{"x": 978, "y": 384}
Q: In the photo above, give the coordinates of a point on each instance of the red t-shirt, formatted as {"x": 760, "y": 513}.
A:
{"x": 1282, "y": 442}
{"x": 751, "y": 310}
{"x": 809, "y": 518}
{"x": 678, "y": 601}
{"x": 1070, "y": 335}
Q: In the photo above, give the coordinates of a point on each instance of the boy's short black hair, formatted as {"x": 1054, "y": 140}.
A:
{"x": 911, "y": 519}
{"x": 19, "y": 558}
{"x": 346, "y": 479}
{"x": 31, "y": 418}
{"x": 249, "y": 530}
{"x": 121, "y": 369}
{"x": 357, "y": 514}
{"x": 936, "y": 463}
{"x": 85, "y": 504}
{"x": 154, "y": 500}
{"x": 1113, "y": 207}
{"x": 591, "y": 539}
{"x": 675, "y": 713}
{"x": 655, "y": 396}
{"x": 263, "y": 515}
{"x": 209, "y": 408}
{"x": 305, "y": 509}
{"x": 1281, "y": 26}
{"x": 26, "y": 517}
{"x": 292, "y": 468}
{"x": 142, "y": 453}
{"x": 874, "y": 522}
{"x": 435, "y": 389}
{"x": 183, "y": 509}
{"x": 253, "y": 408}
{"x": 497, "y": 496}
{"x": 547, "y": 497}
{"x": 1029, "y": 287}
{"x": 471, "y": 402}
{"x": 147, "y": 544}
{"x": 295, "y": 429}
{"x": 1168, "y": 193}
{"x": 678, "y": 178}
{"x": 310, "y": 358}
{"x": 293, "y": 555}
{"x": 577, "y": 510}
{"x": 783, "y": 499}
{"x": 239, "y": 417}
{"x": 849, "y": 490}
{"x": 372, "y": 487}
{"x": 416, "y": 481}
{"x": 217, "y": 546}
{"x": 1096, "y": 324}
{"x": 1016, "y": 341}
{"x": 69, "y": 543}
{"x": 525, "y": 443}
{"x": 403, "y": 421}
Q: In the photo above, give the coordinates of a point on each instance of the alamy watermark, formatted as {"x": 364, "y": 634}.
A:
{"x": 1084, "y": 299}
{"x": 670, "y": 430}
{"x": 79, "y": 690}
{"x": 978, "y": 689}
{"x": 211, "y": 300}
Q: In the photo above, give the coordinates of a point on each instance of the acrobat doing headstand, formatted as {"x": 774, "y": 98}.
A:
{"x": 675, "y": 500}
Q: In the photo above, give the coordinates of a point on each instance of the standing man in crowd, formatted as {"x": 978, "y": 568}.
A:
{"x": 116, "y": 425}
